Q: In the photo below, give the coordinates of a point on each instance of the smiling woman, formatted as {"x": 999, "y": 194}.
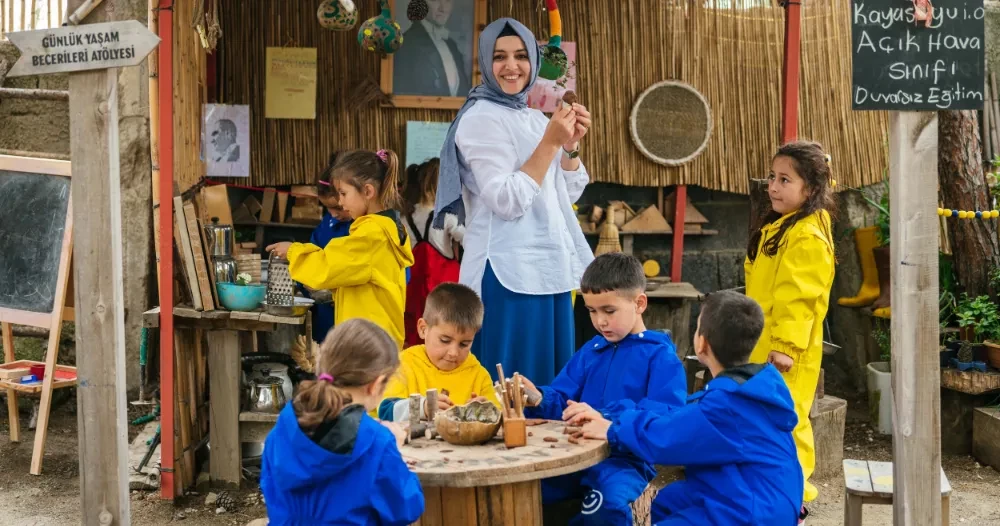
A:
{"x": 524, "y": 250}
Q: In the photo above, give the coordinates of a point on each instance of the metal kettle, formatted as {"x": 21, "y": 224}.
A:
{"x": 266, "y": 395}
{"x": 219, "y": 238}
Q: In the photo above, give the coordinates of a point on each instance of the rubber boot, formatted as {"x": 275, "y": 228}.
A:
{"x": 865, "y": 239}
{"x": 883, "y": 268}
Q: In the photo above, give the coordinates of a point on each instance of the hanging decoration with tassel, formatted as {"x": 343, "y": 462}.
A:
{"x": 555, "y": 64}
{"x": 337, "y": 15}
{"x": 381, "y": 34}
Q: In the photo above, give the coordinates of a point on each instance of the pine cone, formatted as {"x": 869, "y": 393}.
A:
{"x": 417, "y": 10}
{"x": 226, "y": 501}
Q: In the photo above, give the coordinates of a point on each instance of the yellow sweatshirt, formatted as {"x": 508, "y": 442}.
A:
{"x": 417, "y": 374}
{"x": 364, "y": 269}
{"x": 793, "y": 289}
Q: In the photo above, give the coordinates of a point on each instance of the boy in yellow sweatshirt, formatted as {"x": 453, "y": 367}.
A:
{"x": 453, "y": 315}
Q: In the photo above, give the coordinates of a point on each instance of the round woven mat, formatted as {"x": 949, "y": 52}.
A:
{"x": 671, "y": 123}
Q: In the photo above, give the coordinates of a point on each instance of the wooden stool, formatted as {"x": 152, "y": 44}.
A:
{"x": 868, "y": 482}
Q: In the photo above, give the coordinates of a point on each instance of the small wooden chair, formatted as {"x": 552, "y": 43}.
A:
{"x": 868, "y": 482}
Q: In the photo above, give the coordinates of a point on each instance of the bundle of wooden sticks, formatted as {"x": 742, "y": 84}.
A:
{"x": 509, "y": 393}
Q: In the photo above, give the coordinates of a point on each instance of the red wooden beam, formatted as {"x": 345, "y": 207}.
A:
{"x": 166, "y": 86}
{"x": 790, "y": 76}
{"x": 677, "y": 253}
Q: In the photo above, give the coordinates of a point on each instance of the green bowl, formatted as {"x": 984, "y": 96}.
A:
{"x": 241, "y": 297}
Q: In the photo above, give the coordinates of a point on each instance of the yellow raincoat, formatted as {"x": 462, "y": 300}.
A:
{"x": 365, "y": 270}
{"x": 793, "y": 289}
{"x": 417, "y": 374}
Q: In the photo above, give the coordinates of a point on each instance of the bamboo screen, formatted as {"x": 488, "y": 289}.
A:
{"x": 732, "y": 55}
{"x": 25, "y": 15}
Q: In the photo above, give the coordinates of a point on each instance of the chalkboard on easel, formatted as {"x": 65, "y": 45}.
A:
{"x": 905, "y": 65}
{"x": 32, "y": 225}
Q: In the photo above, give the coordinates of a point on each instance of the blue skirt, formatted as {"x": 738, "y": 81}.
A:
{"x": 529, "y": 334}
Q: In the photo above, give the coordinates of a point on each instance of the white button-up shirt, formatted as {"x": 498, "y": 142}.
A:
{"x": 439, "y": 35}
{"x": 529, "y": 233}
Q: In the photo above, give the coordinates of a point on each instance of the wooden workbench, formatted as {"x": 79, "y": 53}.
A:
{"x": 490, "y": 484}
{"x": 670, "y": 308}
{"x": 227, "y": 426}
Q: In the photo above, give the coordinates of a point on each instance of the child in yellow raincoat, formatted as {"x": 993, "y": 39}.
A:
{"x": 453, "y": 314}
{"x": 789, "y": 272}
{"x": 366, "y": 269}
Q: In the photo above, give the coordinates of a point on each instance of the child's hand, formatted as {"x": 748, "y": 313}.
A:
{"x": 782, "y": 362}
{"x": 577, "y": 413}
{"x": 280, "y": 249}
{"x": 443, "y": 403}
{"x": 476, "y": 398}
{"x": 596, "y": 429}
{"x": 534, "y": 395}
{"x": 398, "y": 430}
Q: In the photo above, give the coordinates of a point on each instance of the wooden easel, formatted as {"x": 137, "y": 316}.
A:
{"x": 51, "y": 320}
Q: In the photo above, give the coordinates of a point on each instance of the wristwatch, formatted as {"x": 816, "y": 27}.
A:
{"x": 572, "y": 154}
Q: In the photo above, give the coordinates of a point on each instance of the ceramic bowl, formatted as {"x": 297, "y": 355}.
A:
{"x": 470, "y": 424}
{"x": 241, "y": 297}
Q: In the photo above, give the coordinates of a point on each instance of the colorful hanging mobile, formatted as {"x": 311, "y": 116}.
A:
{"x": 337, "y": 15}
{"x": 381, "y": 34}
{"x": 555, "y": 64}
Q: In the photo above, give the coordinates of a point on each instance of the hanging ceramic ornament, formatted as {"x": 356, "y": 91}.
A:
{"x": 555, "y": 64}
{"x": 417, "y": 10}
{"x": 381, "y": 34}
{"x": 337, "y": 15}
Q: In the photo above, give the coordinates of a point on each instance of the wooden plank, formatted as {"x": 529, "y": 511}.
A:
{"x": 198, "y": 254}
{"x": 255, "y": 431}
{"x": 8, "y": 357}
{"x": 528, "y": 502}
{"x": 857, "y": 478}
{"x": 187, "y": 254}
{"x": 283, "y": 320}
{"x": 99, "y": 295}
{"x": 267, "y": 208}
{"x": 282, "y": 206}
{"x": 916, "y": 377}
{"x": 986, "y": 436}
{"x": 496, "y": 505}
{"x": 250, "y": 316}
{"x": 224, "y": 386}
{"x": 970, "y": 382}
{"x": 433, "y": 507}
{"x": 210, "y": 266}
{"x": 458, "y": 506}
{"x": 881, "y": 476}
{"x": 133, "y": 35}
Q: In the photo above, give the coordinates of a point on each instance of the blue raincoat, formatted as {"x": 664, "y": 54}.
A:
{"x": 353, "y": 475}
{"x": 601, "y": 374}
{"x": 734, "y": 439}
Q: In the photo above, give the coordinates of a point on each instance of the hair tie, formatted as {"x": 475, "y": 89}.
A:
{"x": 382, "y": 154}
{"x": 324, "y": 183}
{"x": 326, "y": 378}
{"x": 828, "y": 158}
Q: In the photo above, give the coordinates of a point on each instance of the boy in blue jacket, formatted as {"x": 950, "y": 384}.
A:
{"x": 733, "y": 438}
{"x": 625, "y": 361}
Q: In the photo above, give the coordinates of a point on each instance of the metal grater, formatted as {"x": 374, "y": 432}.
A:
{"x": 280, "y": 288}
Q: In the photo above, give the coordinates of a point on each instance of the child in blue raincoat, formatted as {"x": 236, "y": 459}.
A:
{"x": 734, "y": 438}
{"x": 625, "y": 361}
{"x": 326, "y": 461}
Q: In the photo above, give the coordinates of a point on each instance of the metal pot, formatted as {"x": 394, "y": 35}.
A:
{"x": 219, "y": 238}
{"x": 266, "y": 395}
{"x": 225, "y": 269}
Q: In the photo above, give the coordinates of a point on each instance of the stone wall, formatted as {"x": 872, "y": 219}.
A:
{"x": 43, "y": 126}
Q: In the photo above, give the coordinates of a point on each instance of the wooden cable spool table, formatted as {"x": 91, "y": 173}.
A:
{"x": 490, "y": 484}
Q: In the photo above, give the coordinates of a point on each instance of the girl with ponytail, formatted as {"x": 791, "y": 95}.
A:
{"x": 327, "y": 461}
{"x": 366, "y": 269}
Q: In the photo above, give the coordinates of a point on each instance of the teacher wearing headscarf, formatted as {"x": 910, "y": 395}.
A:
{"x": 518, "y": 173}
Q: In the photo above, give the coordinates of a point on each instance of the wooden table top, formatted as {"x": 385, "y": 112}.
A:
{"x": 547, "y": 454}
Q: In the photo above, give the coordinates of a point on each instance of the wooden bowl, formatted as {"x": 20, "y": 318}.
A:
{"x": 470, "y": 424}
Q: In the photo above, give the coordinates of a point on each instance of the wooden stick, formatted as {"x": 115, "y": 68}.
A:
{"x": 518, "y": 402}
{"x": 432, "y": 404}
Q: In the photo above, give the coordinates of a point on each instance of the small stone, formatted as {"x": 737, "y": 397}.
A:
{"x": 978, "y": 466}
{"x": 190, "y": 510}
{"x": 447, "y": 450}
{"x": 179, "y": 516}
{"x": 530, "y": 434}
{"x": 552, "y": 446}
{"x": 220, "y": 511}
{"x": 550, "y": 439}
{"x": 446, "y": 459}
{"x": 211, "y": 499}
{"x": 849, "y": 448}
{"x": 870, "y": 439}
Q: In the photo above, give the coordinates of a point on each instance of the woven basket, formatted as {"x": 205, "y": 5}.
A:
{"x": 671, "y": 123}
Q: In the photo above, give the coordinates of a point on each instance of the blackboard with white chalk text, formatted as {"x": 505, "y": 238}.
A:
{"x": 32, "y": 222}
{"x": 905, "y": 65}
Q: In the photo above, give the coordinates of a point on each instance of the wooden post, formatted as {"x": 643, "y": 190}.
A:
{"x": 99, "y": 295}
{"x": 916, "y": 440}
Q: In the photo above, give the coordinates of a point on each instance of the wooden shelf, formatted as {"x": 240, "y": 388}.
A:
{"x": 274, "y": 225}
{"x": 970, "y": 382}
{"x": 251, "y": 416}
{"x": 35, "y": 388}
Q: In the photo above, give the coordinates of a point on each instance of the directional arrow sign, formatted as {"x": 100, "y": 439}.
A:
{"x": 81, "y": 48}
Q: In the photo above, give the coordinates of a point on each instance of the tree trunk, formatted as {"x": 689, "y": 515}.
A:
{"x": 962, "y": 184}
